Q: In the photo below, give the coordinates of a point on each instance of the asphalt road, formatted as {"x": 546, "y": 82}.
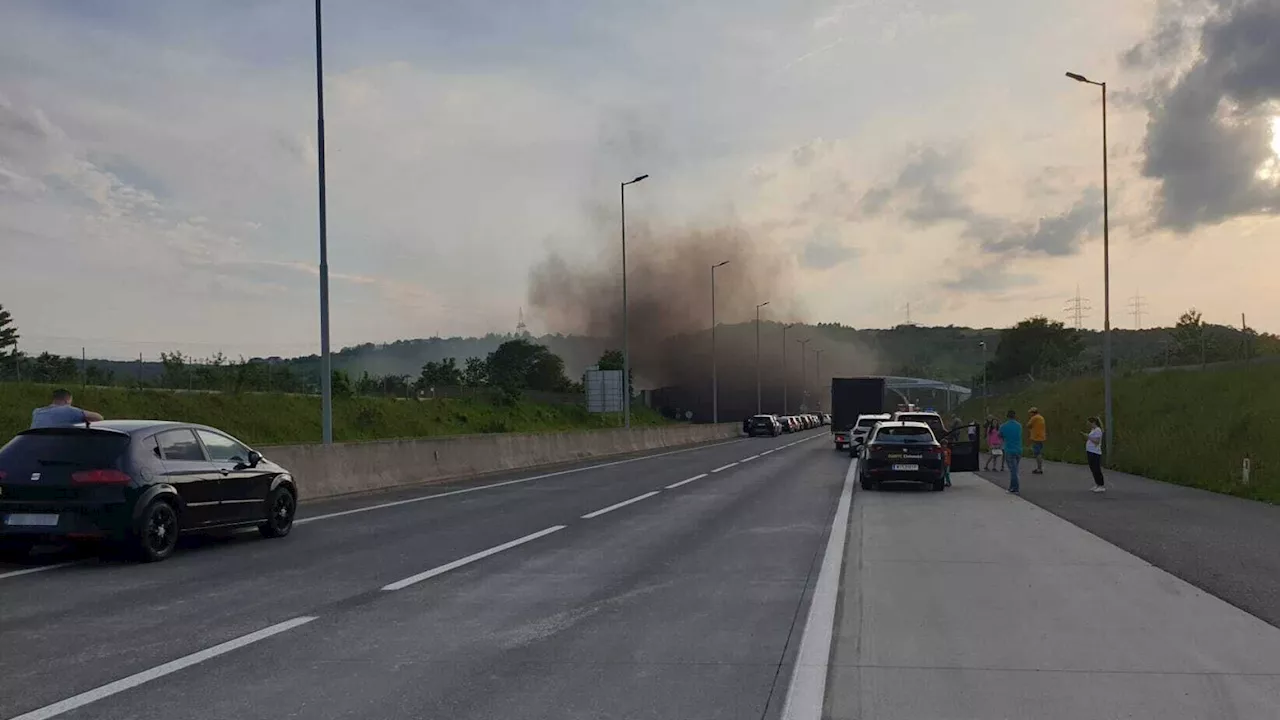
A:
{"x": 1221, "y": 544}
{"x": 508, "y": 598}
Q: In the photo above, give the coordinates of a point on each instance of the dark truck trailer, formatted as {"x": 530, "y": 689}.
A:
{"x": 851, "y": 397}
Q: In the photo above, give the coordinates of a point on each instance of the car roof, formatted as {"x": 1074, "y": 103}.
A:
{"x": 134, "y": 427}
{"x": 906, "y": 423}
{"x": 917, "y": 412}
{"x": 874, "y": 415}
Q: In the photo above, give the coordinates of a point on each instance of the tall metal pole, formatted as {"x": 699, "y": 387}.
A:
{"x": 1106, "y": 267}
{"x": 786, "y": 406}
{"x": 626, "y": 330}
{"x": 626, "y": 334}
{"x": 715, "y": 388}
{"x": 986, "y": 410}
{"x": 758, "y": 406}
{"x": 326, "y": 361}
{"x": 817, "y": 375}
{"x": 804, "y": 380}
{"x": 1106, "y": 280}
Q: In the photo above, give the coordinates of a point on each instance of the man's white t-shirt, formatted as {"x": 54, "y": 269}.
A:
{"x": 1094, "y": 443}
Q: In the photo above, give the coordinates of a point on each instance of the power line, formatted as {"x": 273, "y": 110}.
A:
{"x": 1137, "y": 308}
{"x": 1077, "y": 309}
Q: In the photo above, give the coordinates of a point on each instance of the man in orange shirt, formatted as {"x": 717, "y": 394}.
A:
{"x": 1036, "y": 433}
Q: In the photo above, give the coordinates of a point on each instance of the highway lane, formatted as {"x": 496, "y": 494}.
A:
{"x": 679, "y": 582}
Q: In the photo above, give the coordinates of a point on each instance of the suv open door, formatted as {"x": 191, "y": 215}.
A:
{"x": 965, "y": 447}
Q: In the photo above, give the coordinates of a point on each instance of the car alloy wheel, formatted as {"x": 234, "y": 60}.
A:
{"x": 281, "y": 509}
{"x": 159, "y": 532}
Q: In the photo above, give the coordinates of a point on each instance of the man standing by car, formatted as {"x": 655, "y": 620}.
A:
{"x": 61, "y": 413}
{"x": 1011, "y": 439}
{"x": 1036, "y": 433}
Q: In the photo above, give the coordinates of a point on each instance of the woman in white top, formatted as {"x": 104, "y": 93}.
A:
{"x": 1093, "y": 450}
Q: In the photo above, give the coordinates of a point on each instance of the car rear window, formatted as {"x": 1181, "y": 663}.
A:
{"x": 901, "y": 435}
{"x": 868, "y": 422}
{"x": 70, "y": 447}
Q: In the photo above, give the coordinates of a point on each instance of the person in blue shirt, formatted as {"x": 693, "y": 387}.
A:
{"x": 61, "y": 413}
{"x": 1011, "y": 437}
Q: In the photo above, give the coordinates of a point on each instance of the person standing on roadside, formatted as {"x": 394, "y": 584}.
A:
{"x": 1093, "y": 449}
{"x": 993, "y": 445}
{"x": 1036, "y": 434}
{"x": 1011, "y": 439}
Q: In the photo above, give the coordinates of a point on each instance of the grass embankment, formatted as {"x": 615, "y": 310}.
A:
{"x": 1187, "y": 427}
{"x": 271, "y": 419}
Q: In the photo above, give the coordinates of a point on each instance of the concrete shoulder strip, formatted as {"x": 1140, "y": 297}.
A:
{"x": 808, "y": 686}
{"x": 155, "y": 673}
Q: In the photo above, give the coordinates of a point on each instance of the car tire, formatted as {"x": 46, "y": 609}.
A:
{"x": 281, "y": 507}
{"x": 866, "y": 483}
{"x": 156, "y": 536}
{"x": 939, "y": 485}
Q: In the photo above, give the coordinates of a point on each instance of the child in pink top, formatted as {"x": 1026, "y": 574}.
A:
{"x": 995, "y": 446}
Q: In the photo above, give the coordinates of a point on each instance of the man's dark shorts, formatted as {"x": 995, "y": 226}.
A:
{"x": 1037, "y": 449}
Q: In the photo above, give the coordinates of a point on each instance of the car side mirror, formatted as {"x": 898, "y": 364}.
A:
{"x": 255, "y": 457}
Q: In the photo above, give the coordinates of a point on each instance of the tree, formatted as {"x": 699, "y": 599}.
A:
{"x": 53, "y": 368}
{"x": 476, "y": 372}
{"x": 340, "y": 384}
{"x": 444, "y": 373}
{"x": 522, "y": 365}
{"x": 8, "y": 334}
{"x": 613, "y": 360}
{"x": 1034, "y": 346}
{"x": 1190, "y": 341}
{"x": 176, "y": 371}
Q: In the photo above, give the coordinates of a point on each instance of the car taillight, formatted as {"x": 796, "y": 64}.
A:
{"x": 100, "y": 477}
{"x": 2, "y": 475}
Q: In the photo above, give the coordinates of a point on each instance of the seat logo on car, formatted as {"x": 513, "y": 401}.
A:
{"x": 35, "y": 477}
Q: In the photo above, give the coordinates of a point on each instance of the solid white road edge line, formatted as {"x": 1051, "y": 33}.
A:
{"x": 673, "y": 486}
{"x": 615, "y": 506}
{"x": 808, "y": 685}
{"x": 570, "y": 471}
{"x": 412, "y": 579}
{"x": 159, "y": 671}
{"x": 28, "y": 571}
{"x": 724, "y": 467}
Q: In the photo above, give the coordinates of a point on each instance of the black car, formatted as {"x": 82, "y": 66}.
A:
{"x": 763, "y": 425}
{"x": 901, "y": 452}
{"x": 136, "y": 483}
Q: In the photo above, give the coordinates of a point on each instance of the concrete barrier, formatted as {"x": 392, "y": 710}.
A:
{"x": 344, "y": 468}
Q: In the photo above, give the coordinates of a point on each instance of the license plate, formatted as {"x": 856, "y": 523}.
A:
{"x": 32, "y": 519}
{"x": 906, "y": 468}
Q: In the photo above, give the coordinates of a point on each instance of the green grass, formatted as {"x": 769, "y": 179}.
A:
{"x": 1187, "y": 427}
{"x": 270, "y": 419}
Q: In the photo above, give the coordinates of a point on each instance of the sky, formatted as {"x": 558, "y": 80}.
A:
{"x": 158, "y": 161}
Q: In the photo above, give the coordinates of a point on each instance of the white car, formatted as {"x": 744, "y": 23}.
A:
{"x": 932, "y": 419}
{"x": 862, "y": 428}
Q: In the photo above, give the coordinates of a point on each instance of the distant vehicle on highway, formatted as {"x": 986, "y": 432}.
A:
{"x": 932, "y": 419}
{"x": 764, "y": 425}
{"x": 901, "y": 452}
{"x": 850, "y": 398}
{"x": 862, "y": 428}
{"x": 790, "y": 423}
{"x": 136, "y": 484}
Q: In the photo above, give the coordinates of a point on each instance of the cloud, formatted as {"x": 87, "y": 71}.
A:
{"x": 1208, "y": 141}
{"x": 927, "y": 192}
{"x": 824, "y": 252}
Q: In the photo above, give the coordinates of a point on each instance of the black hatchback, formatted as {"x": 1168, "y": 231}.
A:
{"x": 136, "y": 483}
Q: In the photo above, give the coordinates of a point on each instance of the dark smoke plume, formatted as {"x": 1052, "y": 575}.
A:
{"x": 669, "y": 291}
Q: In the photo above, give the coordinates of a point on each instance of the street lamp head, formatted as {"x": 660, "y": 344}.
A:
{"x": 638, "y": 179}
{"x": 720, "y": 264}
{"x": 766, "y": 302}
{"x": 1078, "y": 77}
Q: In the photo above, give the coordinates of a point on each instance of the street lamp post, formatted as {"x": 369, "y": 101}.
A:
{"x": 326, "y": 360}
{"x": 985, "y": 409}
{"x": 758, "y": 410}
{"x": 626, "y": 335}
{"x": 786, "y": 408}
{"x": 804, "y": 380}
{"x": 1106, "y": 265}
{"x": 817, "y": 375}
{"x": 715, "y": 389}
